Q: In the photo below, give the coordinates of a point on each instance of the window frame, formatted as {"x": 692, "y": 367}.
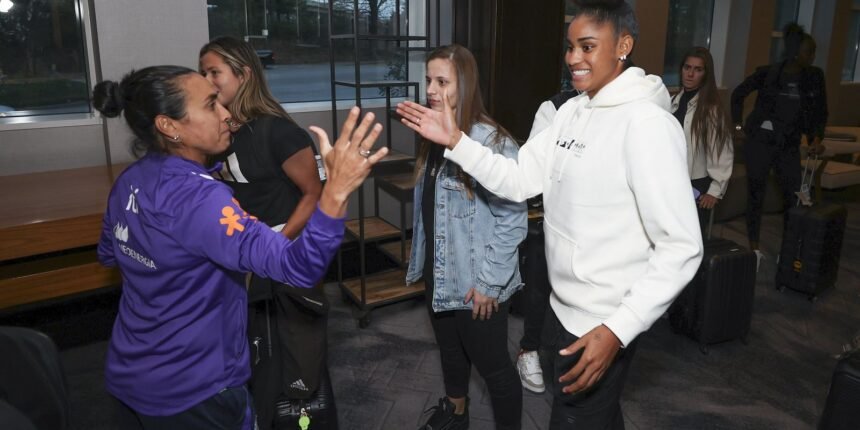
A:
{"x": 855, "y": 79}
{"x": 415, "y": 70}
{"x": 717, "y": 5}
{"x": 36, "y": 121}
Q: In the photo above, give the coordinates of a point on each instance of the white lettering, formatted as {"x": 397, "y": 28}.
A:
{"x": 138, "y": 257}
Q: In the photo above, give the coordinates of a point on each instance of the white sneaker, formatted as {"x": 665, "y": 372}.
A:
{"x": 759, "y": 256}
{"x": 528, "y": 365}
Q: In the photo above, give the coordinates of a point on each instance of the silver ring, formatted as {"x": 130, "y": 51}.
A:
{"x": 364, "y": 152}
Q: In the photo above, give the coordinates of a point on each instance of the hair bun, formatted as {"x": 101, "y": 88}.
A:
{"x": 606, "y": 4}
{"x": 108, "y": 98}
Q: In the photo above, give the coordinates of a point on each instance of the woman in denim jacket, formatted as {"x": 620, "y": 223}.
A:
{"x": 474, "y": 269}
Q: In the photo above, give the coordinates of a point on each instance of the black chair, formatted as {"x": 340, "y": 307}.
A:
{"x": 33, "y": 390}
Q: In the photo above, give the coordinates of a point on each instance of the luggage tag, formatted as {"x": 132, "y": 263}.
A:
{"x": 304, "y": 420}
{"x": 803, "y": 195}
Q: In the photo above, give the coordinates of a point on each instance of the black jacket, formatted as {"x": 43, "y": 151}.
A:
{"x": 765, "y": 80}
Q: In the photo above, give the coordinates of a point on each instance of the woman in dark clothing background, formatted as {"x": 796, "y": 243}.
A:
{"x": 791, "y": 101}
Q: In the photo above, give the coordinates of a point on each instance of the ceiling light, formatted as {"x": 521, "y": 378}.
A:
{"x": 5, "y": 5}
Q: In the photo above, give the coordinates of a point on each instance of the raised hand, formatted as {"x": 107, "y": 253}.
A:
{"x": 437, "y": 127}
{"x": 348, "y": 163}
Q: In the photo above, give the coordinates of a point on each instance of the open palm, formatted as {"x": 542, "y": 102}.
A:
{"x": 436, "y": 126}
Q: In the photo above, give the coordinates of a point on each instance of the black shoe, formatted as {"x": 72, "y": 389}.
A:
{"x": 443, "y": 417}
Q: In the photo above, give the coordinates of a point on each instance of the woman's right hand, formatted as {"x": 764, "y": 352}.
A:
{"x": 348, "y": 163}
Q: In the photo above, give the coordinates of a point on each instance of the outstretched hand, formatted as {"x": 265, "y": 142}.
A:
{"x": 348, "y": 163}
{"x": 599, "y": 348}
{"x": 435, "y": 126}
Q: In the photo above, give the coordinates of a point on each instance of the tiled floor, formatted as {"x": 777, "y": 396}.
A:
{"x": 386, "y": 375}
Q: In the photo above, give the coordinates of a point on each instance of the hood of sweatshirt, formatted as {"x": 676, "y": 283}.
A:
{"x": 630, "y": 86}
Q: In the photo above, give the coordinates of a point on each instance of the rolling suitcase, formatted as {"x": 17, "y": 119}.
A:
{"x": 840, "y": 410}
{"x": 811, "y": 246}
{"x": 717, "y": 304}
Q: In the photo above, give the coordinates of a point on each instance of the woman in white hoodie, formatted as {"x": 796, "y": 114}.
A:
{"x": 706, "y": 126}
{"x": 622, "y": 235}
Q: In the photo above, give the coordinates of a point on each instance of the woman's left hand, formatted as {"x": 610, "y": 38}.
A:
{"x": 708, "y": 201}
{"x": 437, "y": 127}
{"x": 482, "y": 306}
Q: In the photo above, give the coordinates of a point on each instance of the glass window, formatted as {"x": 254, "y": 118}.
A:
{"x": 43, "y": 63}
{"x": 849, "y": 65}
{"x": 292, "y": 40}
{"x": 689, "y": 26}
{"x": 786, "y": 12}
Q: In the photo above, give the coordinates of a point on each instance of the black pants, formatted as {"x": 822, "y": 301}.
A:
{"x": 537, "y": 289}
{"x": 702, "y": 185}
{"x": 463, "y": 341}
{"x": 231, "y": 409}
{"x": 765, "y": 150}
{"x": 600, "y": 407}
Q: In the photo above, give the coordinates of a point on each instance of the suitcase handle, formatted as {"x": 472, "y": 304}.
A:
{"x": 806, "y": 180}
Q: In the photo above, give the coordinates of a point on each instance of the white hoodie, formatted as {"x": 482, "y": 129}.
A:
{"x": 622, "y": 234}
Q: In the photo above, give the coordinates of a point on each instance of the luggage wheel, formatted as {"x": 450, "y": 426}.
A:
{"x": 704, "y": 349}
{"x": 364, "y": 321}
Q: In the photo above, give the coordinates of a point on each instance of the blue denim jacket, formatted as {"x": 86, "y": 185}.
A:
{"x": 476, "y": 239}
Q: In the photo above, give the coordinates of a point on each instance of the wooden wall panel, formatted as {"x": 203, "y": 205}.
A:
{"x": 518, "y": 46}
{"x": 650, "y": 50}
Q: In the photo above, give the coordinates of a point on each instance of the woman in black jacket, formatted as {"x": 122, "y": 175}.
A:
{"x": 791, "y": 101}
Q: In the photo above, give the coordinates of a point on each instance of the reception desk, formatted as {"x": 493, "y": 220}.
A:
{"x": 49, "y": 227}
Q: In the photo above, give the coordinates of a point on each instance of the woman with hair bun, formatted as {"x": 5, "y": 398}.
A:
{"x": 622, "y": 235}
{"x": 178, "y": 356}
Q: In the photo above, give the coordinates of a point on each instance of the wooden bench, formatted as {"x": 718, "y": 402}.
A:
{"x": 49, "y": 226}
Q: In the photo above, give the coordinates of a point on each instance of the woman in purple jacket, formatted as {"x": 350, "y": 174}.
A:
{"x": 178, "y": 355}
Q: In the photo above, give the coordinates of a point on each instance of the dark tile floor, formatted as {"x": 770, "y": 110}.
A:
{"x": 386, "y": 375}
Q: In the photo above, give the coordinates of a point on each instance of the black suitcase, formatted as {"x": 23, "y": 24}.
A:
{"x": 811, "y": 246}
{"x": 841, "y": 411}
{"x": 717, "y": 304}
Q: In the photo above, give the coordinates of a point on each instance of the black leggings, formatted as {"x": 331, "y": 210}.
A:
{"x": 702, "y": 185}
{"x": 765, "y": 150}
{"x": 463, "y": 341}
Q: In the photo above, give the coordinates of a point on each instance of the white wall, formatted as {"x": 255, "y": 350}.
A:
{"x": 133, "y": 34}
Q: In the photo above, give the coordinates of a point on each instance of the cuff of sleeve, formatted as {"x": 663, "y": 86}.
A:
{"x": 458, "y": 149}
{"x": 625, "y": 325}
{"x": 325, "y": 221}
{"x": 490, "y": 291}
{"x": 715, "y": 190}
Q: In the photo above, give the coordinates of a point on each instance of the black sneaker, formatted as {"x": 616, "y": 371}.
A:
{"x": 443, "y": 417}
